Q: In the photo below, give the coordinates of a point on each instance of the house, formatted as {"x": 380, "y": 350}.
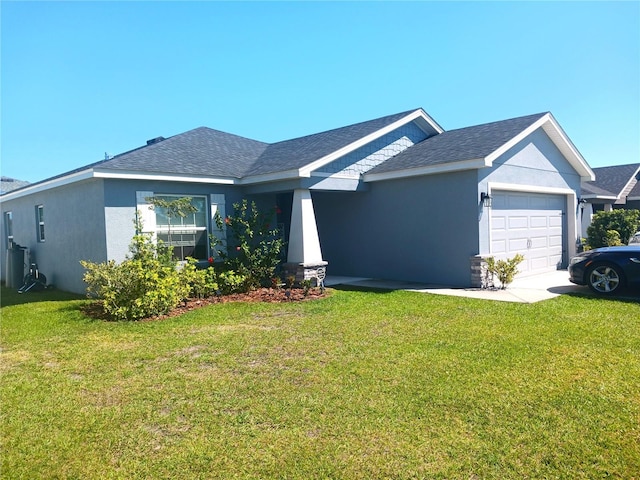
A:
{"x": 7, "y": 184}
{"x": 614, "y": 187}
{"x": 396, "y": 197}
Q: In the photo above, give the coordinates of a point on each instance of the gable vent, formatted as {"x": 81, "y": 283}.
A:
{"x": 155, "y": 140}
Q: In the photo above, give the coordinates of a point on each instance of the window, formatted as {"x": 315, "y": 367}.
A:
{"x": 40, "y": 222}
{"x": 187, "y": 236}
{"x": 8, "y": 227}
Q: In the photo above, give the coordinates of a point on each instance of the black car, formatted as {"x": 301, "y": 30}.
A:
{"x": 607, "y": 270}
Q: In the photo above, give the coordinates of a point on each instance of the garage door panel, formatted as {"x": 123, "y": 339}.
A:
{"x": 555, "y": 241}
{"x": 530, "y": 224}
{"x": 538, "y": 221}
{"x": 499, "y": 247}
{"x": 520, "y": 222}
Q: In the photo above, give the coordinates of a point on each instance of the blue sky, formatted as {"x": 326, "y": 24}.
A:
{"x": 83, "y": 78}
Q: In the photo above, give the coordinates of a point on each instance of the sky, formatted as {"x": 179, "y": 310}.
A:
{"x": 83, "y": 79}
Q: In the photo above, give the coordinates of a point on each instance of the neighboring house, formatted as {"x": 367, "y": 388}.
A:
{"x": 394, "y": 198}
{"x": 616, "y": 186}
{"x": 8, "y": 184}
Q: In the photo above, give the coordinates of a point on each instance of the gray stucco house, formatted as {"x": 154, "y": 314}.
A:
{"x": 394, "y": 198}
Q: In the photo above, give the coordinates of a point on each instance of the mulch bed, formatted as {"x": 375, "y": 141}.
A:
{"x": 267, "y": 295}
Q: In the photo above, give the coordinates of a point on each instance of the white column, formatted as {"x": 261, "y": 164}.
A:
{"x": 587, "y": 214}
{"x": 304, "y": 243}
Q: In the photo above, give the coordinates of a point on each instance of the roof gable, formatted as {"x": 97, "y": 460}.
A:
{"x": 617, "y": 181}
{"x": 476, "y": 147}
{"x": 302, "y": 155}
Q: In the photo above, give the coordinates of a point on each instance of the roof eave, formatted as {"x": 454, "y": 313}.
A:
{"x": 426, "y": 170}
{"x": 272, "y": 177}
{"x": 161, "y": 176}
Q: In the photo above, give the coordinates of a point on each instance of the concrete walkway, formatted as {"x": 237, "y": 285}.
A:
{"x": 530, "y": 289}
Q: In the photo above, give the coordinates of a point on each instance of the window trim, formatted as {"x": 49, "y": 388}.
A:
{"x": 40, "y": 232}
{"x": 8, "y": 227}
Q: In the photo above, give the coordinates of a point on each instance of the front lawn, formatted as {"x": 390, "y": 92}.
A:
{"x": 356, "y": 385}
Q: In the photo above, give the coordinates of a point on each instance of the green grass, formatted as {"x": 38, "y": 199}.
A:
{"x": 359, "y": 385}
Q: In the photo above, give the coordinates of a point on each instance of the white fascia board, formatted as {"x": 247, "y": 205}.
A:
{"x": 428, "y": 170}
{"x": 125, "y": 175}
{"x": 594, "y": 196}
{"x": 270, "y": 177}
{"x": 631, "y": 179}
{"x": 514, "y": 187}
{"x": 419, "y": 115}
{"x": 133, "y": 175}
{"x": 558, "y": 137}
{"x": 48, "y": 184}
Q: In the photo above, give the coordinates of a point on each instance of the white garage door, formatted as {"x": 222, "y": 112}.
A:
{"x": 530, "y": 224}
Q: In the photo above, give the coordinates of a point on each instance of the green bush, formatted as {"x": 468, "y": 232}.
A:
{"x": 624, "y": 222}
{"x": 232, "y": 282}
{"x": 145, "y": 284}
{"x": 505, "y": 270}
{"x": 202, "y": 282}
{"x": 254, "y": 248}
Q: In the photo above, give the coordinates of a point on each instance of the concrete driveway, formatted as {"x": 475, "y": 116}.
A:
{"x": 529, "y": 289}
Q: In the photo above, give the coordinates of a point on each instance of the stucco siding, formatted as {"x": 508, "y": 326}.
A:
{"x": 74, "y": 228}
{"x": 534, "y": 165}
{"x": 421, "y": 229}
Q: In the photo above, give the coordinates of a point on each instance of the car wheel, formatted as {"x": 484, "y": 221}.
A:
{"x": 605, "y": 279}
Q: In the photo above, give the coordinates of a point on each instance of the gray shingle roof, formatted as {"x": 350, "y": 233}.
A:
{"x": 613, "y": 179}
{"x": 298, "y": 152}
{"x": 7, "y": 184}
{"x": 208, "y": 152}
{"x": 468, "y": 143}
{"x": 202, "y": 151}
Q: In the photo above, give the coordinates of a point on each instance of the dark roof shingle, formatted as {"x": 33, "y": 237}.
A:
{"x": 468, "y": 143}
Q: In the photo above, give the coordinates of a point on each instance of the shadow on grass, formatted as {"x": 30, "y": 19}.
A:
{"x": 10, "y": 296}
{"x": 358, "y": 288}
{"x": 627, "y": 296}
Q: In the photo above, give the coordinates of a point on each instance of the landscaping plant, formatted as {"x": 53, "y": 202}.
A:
{"x": 505, "y": 270}
{"x": 605, "y": 225}
{"x": 254, "y": 246}
{"x": 145, "y": 284}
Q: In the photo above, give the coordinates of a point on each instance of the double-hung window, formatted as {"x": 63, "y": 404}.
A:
{"x": 40, "y": 222}
{"x": 186, "y": 236}
{"x": 8, "y": 227}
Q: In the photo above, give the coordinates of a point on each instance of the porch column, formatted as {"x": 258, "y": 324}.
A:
{"x": 587, "y": 215}
{"x": 304, "y": 255}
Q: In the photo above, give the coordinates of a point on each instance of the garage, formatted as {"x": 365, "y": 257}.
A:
{"x": 531, "y": 224}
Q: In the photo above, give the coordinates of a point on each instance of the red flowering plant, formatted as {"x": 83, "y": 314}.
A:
{"x": 252, "y": 248}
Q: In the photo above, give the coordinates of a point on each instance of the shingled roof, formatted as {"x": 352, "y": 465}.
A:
{"x": 205, "y": 152}
{"x": 614, "y": 181}
{"x": 470, "y": 143}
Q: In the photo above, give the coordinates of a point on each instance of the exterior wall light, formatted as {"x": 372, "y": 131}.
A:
{"x": 485, "y": 198}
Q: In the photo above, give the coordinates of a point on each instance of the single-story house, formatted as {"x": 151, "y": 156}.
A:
{"x": 396, "y": 198}
{"x": 617, "y": 186}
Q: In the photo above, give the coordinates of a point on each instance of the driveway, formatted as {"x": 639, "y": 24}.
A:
{"x": 529, "y": 289}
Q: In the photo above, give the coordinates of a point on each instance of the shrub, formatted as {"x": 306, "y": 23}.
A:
{"x": 232, "y": 282}
{"x": 505, "y": 270}
{"x": 624, "y": 222}
{"x": 254, "y": 248}
{"x": 145, "y": 284}
{"x": 202, "y": 282}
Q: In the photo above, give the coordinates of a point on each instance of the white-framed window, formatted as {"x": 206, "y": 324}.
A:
{"x": 40, "y": 223}
{"x": 187, "y": 236}
{"x": 8, "y": 227}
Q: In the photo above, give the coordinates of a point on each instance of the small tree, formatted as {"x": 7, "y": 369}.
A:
{"x": 624, "y": 222}
{"x": 177, "y": 208}
{"x": 254, "y": 247}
